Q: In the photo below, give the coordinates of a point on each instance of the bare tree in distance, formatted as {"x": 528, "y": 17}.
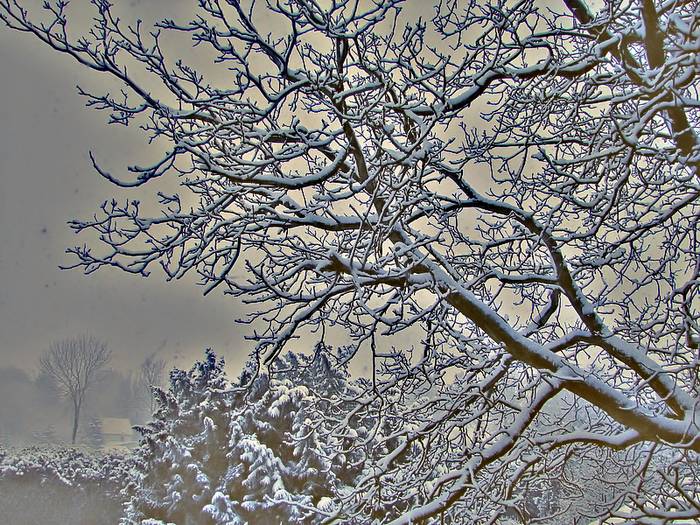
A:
{"x": 74, "y": 365}
{"x": 151, "y": 375}
{"x": 517, "y": 180}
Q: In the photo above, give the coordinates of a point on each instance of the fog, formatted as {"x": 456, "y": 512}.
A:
{"x": 46, "y": 179}
{"x": 33, "y": 411}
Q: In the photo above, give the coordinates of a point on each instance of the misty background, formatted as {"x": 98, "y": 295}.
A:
{"x": 46, "y": 179}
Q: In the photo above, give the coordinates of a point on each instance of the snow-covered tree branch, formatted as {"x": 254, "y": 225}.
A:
{"x": 519, "y": 180}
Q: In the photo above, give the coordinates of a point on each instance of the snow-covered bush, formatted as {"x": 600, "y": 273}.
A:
{"x": 263, "y": 449}
{"x": 69, "y": 466}
{"x": 60, "y": 485}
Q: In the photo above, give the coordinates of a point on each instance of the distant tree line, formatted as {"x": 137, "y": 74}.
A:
{"x": 59, "y": 402}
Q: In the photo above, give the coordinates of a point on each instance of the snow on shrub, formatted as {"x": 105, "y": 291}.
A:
{"x": 258, "y": 450}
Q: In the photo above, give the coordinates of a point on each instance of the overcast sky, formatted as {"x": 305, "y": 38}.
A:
{"x": 46, "y": 179}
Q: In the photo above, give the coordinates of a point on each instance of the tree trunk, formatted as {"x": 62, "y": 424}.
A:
{"x": 76, "y": 418}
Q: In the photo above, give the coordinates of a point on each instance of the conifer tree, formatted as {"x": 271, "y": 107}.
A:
{"x": 251, "y": 451}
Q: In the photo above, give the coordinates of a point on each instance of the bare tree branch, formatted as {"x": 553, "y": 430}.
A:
{"x": 75, "y": 365}
{"x": 517, "y": 182}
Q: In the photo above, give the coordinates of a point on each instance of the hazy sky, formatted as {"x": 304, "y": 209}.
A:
{"x": 46, "y": 179}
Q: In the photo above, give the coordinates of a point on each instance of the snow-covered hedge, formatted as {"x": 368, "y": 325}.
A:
{"x": 59, "y": 486}
{"x": 70, "y": 466}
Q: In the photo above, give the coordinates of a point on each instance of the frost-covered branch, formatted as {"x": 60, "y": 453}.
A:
{"x": 517, "y": 181}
